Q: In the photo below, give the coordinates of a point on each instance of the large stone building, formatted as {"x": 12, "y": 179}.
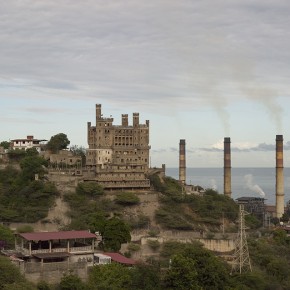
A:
{"x": 118, "y": 154}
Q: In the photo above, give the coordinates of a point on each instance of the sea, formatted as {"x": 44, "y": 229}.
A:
{"x": 250, "y": 182}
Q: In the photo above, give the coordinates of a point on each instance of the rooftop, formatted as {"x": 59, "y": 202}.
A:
{"x": 65, "y": 235}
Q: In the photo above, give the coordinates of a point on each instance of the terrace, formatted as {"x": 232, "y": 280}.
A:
{"x": 72, "y": 242}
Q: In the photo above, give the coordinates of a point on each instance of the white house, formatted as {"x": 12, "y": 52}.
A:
{"x": 27, "y": 143}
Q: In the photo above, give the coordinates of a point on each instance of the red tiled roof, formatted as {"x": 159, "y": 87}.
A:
{"x": 120, "y": 259}
{"x": 67, "y": 235}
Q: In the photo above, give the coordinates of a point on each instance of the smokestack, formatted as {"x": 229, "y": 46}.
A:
{"x": 227, "y": 167}
{"x": 182, "y": 167}
{"x": 279, "y": 177}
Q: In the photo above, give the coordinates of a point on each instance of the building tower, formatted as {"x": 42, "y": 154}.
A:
{"x": 279, "y": 177}
{"x": 182, "y": 167}
{"x": 227, "y": 167}
{"x": 241, "y": 261}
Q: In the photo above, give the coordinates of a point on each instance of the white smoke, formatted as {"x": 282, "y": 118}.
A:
{"x": 254, "y": 187}
{"x": 213, "y": 184}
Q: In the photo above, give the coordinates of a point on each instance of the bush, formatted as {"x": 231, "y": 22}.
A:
{"x": 133, "y": 247}
{"x": 153, "y": 244}
{"x": 25, "y": 229}
{"x": 90, "y": 188}
{"x": 127, "y": 198}
{"x": 140, "y": 222}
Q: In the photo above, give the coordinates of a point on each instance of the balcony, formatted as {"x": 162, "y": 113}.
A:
{"x": 83, "y": 249}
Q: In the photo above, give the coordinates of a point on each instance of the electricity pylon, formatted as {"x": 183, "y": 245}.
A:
{"x": 241, "y": 261}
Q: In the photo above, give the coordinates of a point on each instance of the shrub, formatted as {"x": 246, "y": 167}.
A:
{"x": 127, "y": 198}
{"x": 153, "y": 244}
{"x": 25, "y": 229}
{"x": 90, "y": 188}
{"x": 133, "y": 247}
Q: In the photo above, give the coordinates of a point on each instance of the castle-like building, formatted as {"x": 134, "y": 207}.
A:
{"x": 118, "y": 154}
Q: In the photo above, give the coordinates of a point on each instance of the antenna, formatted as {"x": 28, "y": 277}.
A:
{"x": 241, "y": 259}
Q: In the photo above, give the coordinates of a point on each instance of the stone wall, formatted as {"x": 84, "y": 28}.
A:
{"x": 53, "y": 272}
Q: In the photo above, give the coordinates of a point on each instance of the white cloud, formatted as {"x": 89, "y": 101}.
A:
{"x": 161, "y": 57}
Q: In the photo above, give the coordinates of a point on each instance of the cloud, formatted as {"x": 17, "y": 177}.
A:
{"x": 41, "y": 110}
{"x": 193, "y": 54}
{"x": 244, "y": 147}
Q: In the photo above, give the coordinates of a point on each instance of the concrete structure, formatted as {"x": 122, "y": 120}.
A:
{"x": 182, "y": 162}
{"x": 46, "y": 256}
{"x": 227, "y": 167}
{"x": 279, "y": 177}
{"x": 253, "y": 205}
{"x": 64, "y": 159}
{"x": 118, "y": 154}
{"x": 28, "y": 143}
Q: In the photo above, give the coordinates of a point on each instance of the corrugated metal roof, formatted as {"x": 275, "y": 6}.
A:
{"x": 120, "y": 259}
{"x": 67, "y": 235}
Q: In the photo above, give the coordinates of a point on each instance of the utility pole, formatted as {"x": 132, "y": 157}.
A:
{"x": 241, "y": 261}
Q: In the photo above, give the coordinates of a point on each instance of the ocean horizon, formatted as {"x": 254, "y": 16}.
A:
{"x": 246, "y": 181}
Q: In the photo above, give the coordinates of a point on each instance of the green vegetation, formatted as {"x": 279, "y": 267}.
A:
{"x": 10, "y": 277}
{"x": 21, "y": 197}
{"x": 71, "y": 282}
{"x": 25, "y": 229}
{"x": 92, "y": 212}
{"x": 116, "y": 277}
{"x": 168, "y": 185}
{"x": 140, "y": 222}
{"x": 153, "y": 244}
{"x": 127, "y": 198}
{"x": 57, "y": 142}
{"x": 5, "y": 144}
{"x": 132, "y": 247}
{"x": 181, "y": 211}
{"x": 6, "y": 237}
{"x": 16, "y": 155}
{"x": 89, "y": 188}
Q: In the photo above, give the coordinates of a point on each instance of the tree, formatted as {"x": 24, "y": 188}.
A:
{"x": 42, "y": 285}
{"x": 145, "y": 277}
{"x": 9, "y": 274}
{"x": 182, "y": 274}
{"x": 5, "y": 144}
{"x": 111, "y": 276}
{"x": 16, "y": 154}
{"x": 209, "y": 271}
{"x": 6, "y": 237}
{"x": 31, "y": 165}
{"x": 57, "y": 142}
{"x": 71, "y": 282}
{"x": 127, "y": 198}
{"x": 114, "y": 234}
{"x": 89, "y": 188}
{"x": 31, "y": 152}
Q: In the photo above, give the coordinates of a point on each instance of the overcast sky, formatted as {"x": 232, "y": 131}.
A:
{"x": 198, "y": 70}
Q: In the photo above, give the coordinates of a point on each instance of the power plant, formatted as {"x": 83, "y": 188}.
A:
{"x": 227, "y": 167}
{"x": 182, "y": 162}
{"x": 279, "y": 177}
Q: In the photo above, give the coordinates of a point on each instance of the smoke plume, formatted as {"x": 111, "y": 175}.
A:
{"x": 253, "y": 187}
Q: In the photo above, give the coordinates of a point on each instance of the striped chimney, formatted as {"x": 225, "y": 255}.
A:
{"x": 182, "y": 167}
{"x": 279, "y": 177}
{"x": 227, "y": 167}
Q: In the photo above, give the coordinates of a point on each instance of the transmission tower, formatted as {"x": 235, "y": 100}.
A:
{"x": 241, "y": 261}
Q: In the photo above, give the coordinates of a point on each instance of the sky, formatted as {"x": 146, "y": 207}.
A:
{"x": 198, "y": 70}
